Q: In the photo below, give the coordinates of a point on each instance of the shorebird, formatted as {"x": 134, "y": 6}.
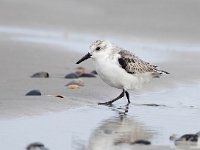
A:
{"x": 186, "y": 139}
{"x": 120, "y": 68}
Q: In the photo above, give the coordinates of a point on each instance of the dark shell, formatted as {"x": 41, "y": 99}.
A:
{"x": 142, "y": 142}
{"x": 34, "y": 93}
{"x": 72, "y": 76}
{"x": 87, "y": 75}
{"x": 60, "y": 96}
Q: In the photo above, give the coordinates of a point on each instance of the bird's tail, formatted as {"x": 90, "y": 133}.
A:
{"x": 158, "y": 73}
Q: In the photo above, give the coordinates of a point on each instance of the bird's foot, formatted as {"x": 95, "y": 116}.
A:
{"x": 109, "y": 103}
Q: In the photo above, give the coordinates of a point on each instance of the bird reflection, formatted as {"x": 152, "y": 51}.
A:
{"x": 119, "y": 131}
{"x": 122, "y": 111}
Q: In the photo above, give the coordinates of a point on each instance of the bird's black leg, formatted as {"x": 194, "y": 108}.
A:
{"x": 127, "y": 96}
{"x": 110, "y": 102}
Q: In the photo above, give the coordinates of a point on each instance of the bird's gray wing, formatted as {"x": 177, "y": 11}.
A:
{"x": 134, "y": 65}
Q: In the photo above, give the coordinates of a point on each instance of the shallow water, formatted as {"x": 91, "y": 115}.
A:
{"x": 101, "y": 127}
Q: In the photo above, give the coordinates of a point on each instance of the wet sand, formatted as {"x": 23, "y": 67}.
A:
{"x": 21, "y": 60}
{"x": 34, "y": 41}
{"x": 173, "y": 94}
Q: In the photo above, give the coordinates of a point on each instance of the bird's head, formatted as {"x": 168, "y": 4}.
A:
{"x": 97, "y": 49}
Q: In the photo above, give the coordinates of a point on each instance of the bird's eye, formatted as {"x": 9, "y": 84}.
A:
{"x": 98, "y": 48}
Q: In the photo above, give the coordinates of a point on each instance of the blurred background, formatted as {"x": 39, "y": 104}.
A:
{"x": 167, "y": 21}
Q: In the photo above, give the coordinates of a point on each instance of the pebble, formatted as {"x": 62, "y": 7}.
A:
{"x": 40, "y": 75}
{"x": 60, "y": 96}
{"x": 76, "y": 82}
{"x": 81, "y": 72}
{"x": 87, "y": 75}
{"x": 72, "y": 76}
{"x": 141, "y": 142}
{"x": 36, "y": 146}
{"x": 94, "y": 72}
{"x": 73, "y": 86}
{"x": 34, "y": 93}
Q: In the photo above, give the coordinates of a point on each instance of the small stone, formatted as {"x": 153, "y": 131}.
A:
{"x": 40, "y": 75}
{"x": 72, "y": 76}
{"x": 77, "y": 82}
{"x": 94, "y": 72}
{"x": 87, "y": 75}
{"x": 73, "y": 86}
{"x": 141, "y": 142}
{"x": 60, "y": 96}
{"x": 81, "y": 72}
{"x": 34, "y": 93}
{"x": 36, "y": 146}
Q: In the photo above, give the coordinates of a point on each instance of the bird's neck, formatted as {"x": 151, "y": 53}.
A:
{"x": 101, "y": 59}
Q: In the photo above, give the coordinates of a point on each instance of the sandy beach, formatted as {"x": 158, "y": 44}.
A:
{"x": 51, "y": 36}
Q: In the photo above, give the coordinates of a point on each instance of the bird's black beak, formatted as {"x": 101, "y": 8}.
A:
{"x": 87, "y": 56}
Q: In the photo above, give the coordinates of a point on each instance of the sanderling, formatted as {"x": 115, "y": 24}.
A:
{"x": 186, "y": 139}
{"x": 120, "y": 68}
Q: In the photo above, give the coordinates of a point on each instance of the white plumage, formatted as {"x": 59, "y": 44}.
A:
{"x": 120, "y": 68}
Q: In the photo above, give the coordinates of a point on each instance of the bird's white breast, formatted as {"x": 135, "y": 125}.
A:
{"x": 111, "y": 72}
